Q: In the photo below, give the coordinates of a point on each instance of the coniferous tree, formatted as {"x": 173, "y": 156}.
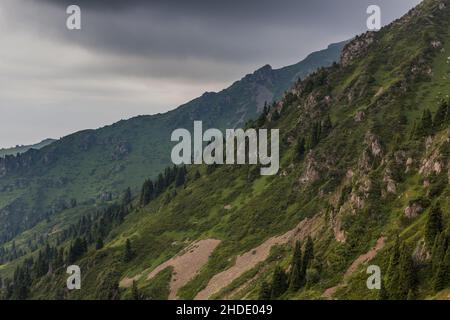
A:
{"x": 128, "y": 253}
{"x": 308, "y": 256}
{"x": 295, "y": 277}
{"x": 279, "y": 283}
{"x": 126, "y": 200}
{"x": 326, "y": 126}
{"x": 300, "y": 148}
{"x": 407, "y": 274}
{"x": 426, "y": 125}
{"x": 135, "y": 291}
{"x": 146, "y": 192}
{"x": 393, "y": 280}
{"x": 99, "y": 244}
{"x": 442, "y": 115}
{"x": 434, "y": 225}
{"x": 265, "y": 291}
{"x": 181, "y": 177}
{"x": 441, "y": 279}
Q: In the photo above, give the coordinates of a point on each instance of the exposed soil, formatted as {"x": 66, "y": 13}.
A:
{"x": 251, "y": 258}
{"x": 186, "y": 265}
{"x": 364, "y": 258}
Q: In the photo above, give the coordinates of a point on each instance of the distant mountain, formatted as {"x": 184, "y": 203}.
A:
{"x": 24, "y": 148}
{"x": 94, "y": 166}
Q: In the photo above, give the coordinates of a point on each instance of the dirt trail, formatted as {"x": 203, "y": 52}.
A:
{"x": 251, "y": 258}
{"x": 364, "y": 258}
{"x": 185, "y": 265}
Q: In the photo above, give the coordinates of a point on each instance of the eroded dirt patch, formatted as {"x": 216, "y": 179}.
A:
{"x": 186, "y": 265}
{"x": 251, "y": 258}
{"x": 364, "y": 258}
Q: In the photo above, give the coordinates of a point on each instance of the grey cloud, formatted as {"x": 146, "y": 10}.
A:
{"x": 141, "y": 57}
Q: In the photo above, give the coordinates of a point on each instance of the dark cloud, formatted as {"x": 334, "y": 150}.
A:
{"x": 141, "y": 56}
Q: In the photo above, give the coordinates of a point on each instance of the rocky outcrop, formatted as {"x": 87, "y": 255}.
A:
{"x": 357, "y": 48}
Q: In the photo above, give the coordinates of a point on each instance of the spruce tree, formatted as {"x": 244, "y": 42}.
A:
{"x": 426, "y": 125}
{"x": 307, "y": 257}
{"x": 434, "y": 225}
{"x": 128, "y": 253}
{"x": 442, "y": 115}
{"x": 99, "y": 244}
{"x": 135, "y": 291}
{"x": 295, "y": 277}
{"x": 279, "y": 283}
{"x": 407, "y": 274}
{"x": 300, "y": 148}
{"x": 265, "y": 291}
{"x": 441, "y": 279}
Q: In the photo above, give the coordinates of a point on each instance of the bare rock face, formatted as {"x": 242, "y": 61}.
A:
{"x": 413, "y": 210}
{"x": 421, "y": 253}
{"x": 121, "y": 150}
{"x": 311, "y": 173}
{"x": 356, "y": 48}
{"x": 409, "y": 163}
{"x": 431, "y": 164}
{"x": 374, "y": 145}
{"x": 360, "y": 116}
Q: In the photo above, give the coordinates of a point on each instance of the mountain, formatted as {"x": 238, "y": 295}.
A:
{"x": 94, "y": 166}
{"x": 363, "y": 186}
{"x": 24, "y": 148}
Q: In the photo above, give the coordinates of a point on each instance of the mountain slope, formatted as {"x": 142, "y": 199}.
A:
{"x": 364, "y": 179}
{"x": 21, "y": 149}
{"x": 94, "y": 166}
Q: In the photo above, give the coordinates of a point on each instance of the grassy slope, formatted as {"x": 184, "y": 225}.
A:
{"x": 89, "y": 165}
{"x": 266, "y": 206}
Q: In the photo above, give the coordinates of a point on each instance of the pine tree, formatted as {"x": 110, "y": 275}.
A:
{"x": 128, "y": 253}
{"x": 300, "y": 148}
{"x": 442, "y": 115}
{"x": 383, "y": 294}
{"x": 442, "y": 277}
{"x": 307, "y": 257}
{"x": 434, "y": 225}
{"x": 126, "y": 199}
{"x": 265, "y": 291}
{"x": 135, "y": 291}
{"x": 407, "y": 274}
{"x": 180, "y": 178}
{"x": 426, "y": 125}
{"x": 295, "y": 277}
{"x": 99, "y": 244}
{"x": 146, "y": 192}
{"x": 279, "y": 283}
{"x": 326, "y": 126}
{"x": 393, "y": 281}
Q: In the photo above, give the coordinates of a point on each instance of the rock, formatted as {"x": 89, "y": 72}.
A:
{"x": 356, "y": 48}
{"x": 360, "y": 115}
{"x": 413, "y": 210}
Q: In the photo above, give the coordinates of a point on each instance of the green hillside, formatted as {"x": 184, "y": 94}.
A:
{"x": 91, "y": 167}
{"x": 364, "y": 180}
{"x": 24, "y": 148}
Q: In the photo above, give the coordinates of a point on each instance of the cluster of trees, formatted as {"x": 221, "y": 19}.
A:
{"x": 428, "y": 125}
{"x": 401, "y": 280}
{"x": 88, "y": 232}
{"x": 401, "y": 277}
{"x": 296, "y": 279}
{"x": 319, "y": 130}
{"x": 438, "y": 240}
{"x": 172, "y": 175}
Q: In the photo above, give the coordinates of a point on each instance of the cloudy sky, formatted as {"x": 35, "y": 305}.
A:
{"x": 143, "y": 57}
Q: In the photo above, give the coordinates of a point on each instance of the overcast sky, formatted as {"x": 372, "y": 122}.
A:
{"x": 137, "y": 57}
